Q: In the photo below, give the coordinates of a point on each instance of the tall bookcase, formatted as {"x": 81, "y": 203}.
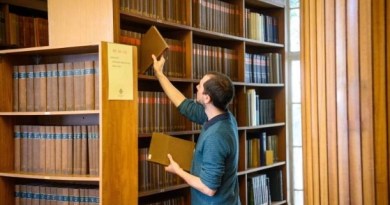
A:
{"x": 215, "y": 35}
{"x": 107, "y": 150}
{"x": 203, "y": 35}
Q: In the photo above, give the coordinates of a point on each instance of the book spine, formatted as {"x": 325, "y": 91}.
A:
{"x": 15, "y": 88}
{"x": 96, "y": 82}
{"x": 30, "y": 88}
{"x": 17, "y": 140}
{"x": 40, "y": 87}
{"x": 89, "y": 86}
{"x": 61, "y": 87}
{"x": 79, "y": 85}
{"x": 69, "y": 84}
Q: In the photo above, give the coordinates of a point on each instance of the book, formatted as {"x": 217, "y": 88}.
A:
{"x": 151, "y": 43}
{"x": 15, "y": 88}
{"x": 89, "y": 77}
{"x": 22, "y": 88}
{"x": 181, "y": 150}
{"x": 61, "y": 87}
{"x": 40, "y": 76}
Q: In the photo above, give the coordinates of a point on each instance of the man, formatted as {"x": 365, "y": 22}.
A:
{"x": 213, "y": 178}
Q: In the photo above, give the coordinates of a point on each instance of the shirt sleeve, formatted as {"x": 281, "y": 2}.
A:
{"x": 193, "y": 111}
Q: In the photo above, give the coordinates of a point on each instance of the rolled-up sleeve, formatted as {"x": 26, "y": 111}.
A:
{"x": 193, "y": 111}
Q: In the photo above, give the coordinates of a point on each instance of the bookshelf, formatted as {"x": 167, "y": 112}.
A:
{"x": 122, "y": 22}
{"x": 225, "y": 36}
{"x": 23, "y": 24}
{"x": 88, "y": 132}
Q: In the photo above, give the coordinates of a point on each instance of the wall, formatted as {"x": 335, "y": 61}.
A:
{"x": 80, "y": 22}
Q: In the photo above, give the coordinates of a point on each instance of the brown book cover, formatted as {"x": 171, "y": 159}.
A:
{"x": 96, "y": 143}
{"x": 24, "y": 148}
{"x": 69, "y": 147}
{"x": 15, "y": 88}
{"x": 79, "y": 85}
{"x": 58, "y": 149}
{"x": 30, "y": 148}
{"x": 77, "y": 150}
{"x": 69, "y": 84}
{"x": 40, "y": 87}
{"x": 152, "y": 43}
{"x": 181, "y": 150}
{"x": 17, "y": 139}
{"x": 89, "y": 86}
{"x": 64, "y": 149}
{"x": 96, "y": 82}
{"x": 90, "y": 153}
{"x": 22, "y": 87}
{"x": 30, "y": 88}
{"x": 50, "y": 150}
{"x": 52, "y": 87}
{"x": 18, "y": 194}
{"x": 83, "y": 150}
{"x": 93, "y": 149}
{"x": 43, "y": 192}
{"x": 61, "y": 86}
{"x": 42, "y": 149}
{"x": 34, "y": 192}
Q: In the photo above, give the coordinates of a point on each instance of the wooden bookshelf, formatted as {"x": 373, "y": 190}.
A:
{"x": 114, "y": 154}
{"x": 121, "y": 137}
{"x": 136, "y": 17}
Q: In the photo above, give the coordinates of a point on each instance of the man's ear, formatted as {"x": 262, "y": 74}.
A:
{"x": 206, "y": 98}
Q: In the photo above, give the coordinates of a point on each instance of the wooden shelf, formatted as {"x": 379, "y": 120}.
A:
{"x": 266, "y": 3}
{"x": 50, "y": 177}
{"x": 262, "y": 168}
{"x": 162, "y": 190}
{"x": 83, "y": 112}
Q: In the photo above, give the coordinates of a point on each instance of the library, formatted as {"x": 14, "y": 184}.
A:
{"x": 80, "y": 106}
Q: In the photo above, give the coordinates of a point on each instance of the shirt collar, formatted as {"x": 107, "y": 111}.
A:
{"x": 215, "y": 119}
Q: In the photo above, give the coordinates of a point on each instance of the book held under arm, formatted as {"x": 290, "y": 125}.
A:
{"x": 181, "y": 150}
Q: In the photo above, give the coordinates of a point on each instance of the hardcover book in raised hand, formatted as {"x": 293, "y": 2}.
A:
{"x": 181, "y": 150}
{"x": 151, "y": 43}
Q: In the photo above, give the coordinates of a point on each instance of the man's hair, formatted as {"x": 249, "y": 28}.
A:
{"x": 220, "y": 89}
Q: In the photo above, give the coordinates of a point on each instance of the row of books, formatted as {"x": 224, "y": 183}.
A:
{"x": 167, "y": 10}
{"x": 216, "y": 15}
{"x": 153, "y": 176}
{"x": 263, "y": 68}
{"x": 171, "y": 201}
{"x": 259, "y": 190}
{"x": 214, "y": 58}
{"x": 259, "y": 68}
{"x": 259, "y": 111}
{"x": 157, "y": 113}
{"x": 175, "y": 55}
{"x": 56, "y": 87}
{"x": 265, "y": 188}
{"x": 3, "y": 36}
{"x": 54, "y": 194}
{"x": 69, "y": 150}
{"x": 262, "y": 150}
{"x": 261, "y": 27}
{"x": 27, "y": 31}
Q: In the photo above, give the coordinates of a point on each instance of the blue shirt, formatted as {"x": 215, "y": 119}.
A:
{"x": 215, "y": 159}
